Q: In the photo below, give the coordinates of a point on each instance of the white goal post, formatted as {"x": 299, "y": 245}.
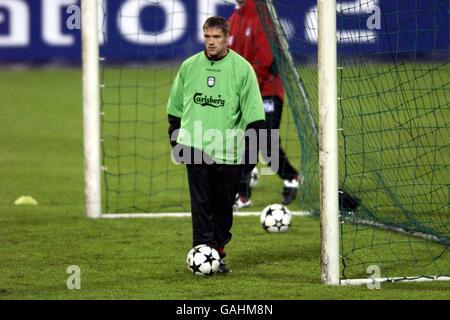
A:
{"x": 91, "y": 108}
{"x": 328, "y": 141}
{"x": 328, "y": 159}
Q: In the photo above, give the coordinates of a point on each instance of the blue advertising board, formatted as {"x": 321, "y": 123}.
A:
{"x": 36, "y": 31}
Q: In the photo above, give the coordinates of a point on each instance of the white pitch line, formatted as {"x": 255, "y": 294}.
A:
{"x": 184, "y": 214}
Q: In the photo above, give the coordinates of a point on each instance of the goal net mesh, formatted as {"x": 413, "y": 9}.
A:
{"x": 141, "y": 53}
{"x": 393, "y": 120}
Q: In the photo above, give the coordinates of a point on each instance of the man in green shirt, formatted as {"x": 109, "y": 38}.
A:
{"x": 213, "y": 102}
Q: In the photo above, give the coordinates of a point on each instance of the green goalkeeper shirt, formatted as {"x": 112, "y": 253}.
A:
{"x": 216, "y": 100}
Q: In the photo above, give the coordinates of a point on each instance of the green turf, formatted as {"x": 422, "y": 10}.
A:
{"x": 41, "y": 139}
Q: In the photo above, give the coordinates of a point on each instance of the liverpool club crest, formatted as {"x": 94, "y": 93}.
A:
{"x": 211, "y": 81}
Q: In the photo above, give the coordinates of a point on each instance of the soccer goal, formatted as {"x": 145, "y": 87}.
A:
{"x": 129, "y": 66}
{"x": 379, "y": 90}
{"x": 368, "y": 94}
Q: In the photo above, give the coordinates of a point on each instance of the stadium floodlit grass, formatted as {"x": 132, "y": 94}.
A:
{"x": 41, "y": 135}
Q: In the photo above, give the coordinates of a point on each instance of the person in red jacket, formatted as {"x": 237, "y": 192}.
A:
{"x": 248, "y": 39}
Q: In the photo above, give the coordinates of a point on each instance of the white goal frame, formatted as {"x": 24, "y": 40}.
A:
{"x": 91, "y": 108}
{"x": 328, "y": 141}
{"x": 328, "y": 158}
{"x": 91, "y": 120}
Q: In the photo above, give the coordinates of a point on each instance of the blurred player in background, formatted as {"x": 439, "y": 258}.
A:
{"x": 247, "y": 38}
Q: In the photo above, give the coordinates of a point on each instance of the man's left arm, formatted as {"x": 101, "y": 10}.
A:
{"x": 254, "y": 117}
{"x": 252, "y": 148}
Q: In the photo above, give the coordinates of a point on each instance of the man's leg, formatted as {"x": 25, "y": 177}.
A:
{"x": 227, "y": 179}
{"x": 286, "y": 171}
{"x": 273, "y": 119}
{"x": 244, "y": 191}
{"x": 201, "y": 194}
{"x": 224, "y": 196}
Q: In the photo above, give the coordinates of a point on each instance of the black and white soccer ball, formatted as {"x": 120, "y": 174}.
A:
{"x": 203, "y": 260}
{"x": 275, "y": 218}
{"x": 254, "y": 177}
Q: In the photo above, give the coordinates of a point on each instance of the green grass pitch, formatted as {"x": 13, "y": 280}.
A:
{"x": 42, "y": 156}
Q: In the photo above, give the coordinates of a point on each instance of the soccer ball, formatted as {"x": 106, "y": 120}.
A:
{"x": 203, "y": 260}
{"x": 275, "y": 218}
{"x": 254, "y": 177}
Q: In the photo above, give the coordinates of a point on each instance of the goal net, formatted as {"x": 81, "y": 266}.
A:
{"x": 142, "y": 48}
{"x": 393, "y": 119}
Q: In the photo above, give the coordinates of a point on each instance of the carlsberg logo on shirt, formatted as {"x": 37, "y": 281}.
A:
{"x": 210, "y": 101}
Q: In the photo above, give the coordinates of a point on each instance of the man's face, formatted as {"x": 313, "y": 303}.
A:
{"x": 215, "y": 42}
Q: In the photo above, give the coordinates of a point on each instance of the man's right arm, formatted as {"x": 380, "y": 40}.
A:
{"x": 175, "y": 107}
{"x": 174, "y": 128}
